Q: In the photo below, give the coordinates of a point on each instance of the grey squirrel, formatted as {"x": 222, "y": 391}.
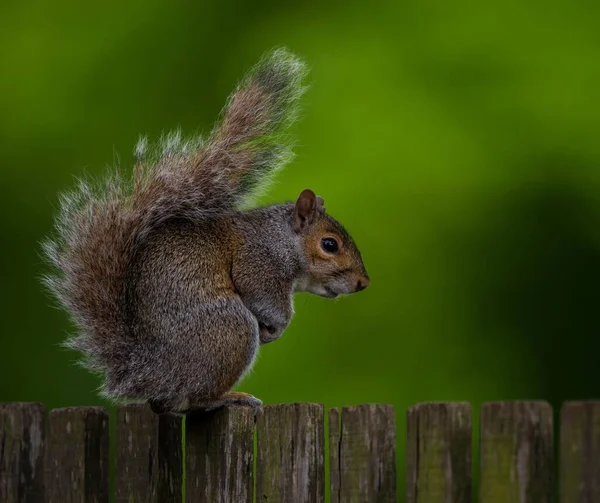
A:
{"x": 172, "y": 284}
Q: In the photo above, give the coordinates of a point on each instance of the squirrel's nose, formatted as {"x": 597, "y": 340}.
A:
{"x": 362, "y": 283}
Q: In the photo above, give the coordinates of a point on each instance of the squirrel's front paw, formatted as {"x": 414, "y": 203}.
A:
{"x": 269, "y": 333}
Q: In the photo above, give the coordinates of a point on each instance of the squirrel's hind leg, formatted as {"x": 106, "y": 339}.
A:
{"x": 186, "y": 406}
{"x": 233, "y": 398}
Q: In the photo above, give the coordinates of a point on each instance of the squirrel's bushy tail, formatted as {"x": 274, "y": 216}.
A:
{"x": 99, "y": 226}
{"x": 245, "y": 149}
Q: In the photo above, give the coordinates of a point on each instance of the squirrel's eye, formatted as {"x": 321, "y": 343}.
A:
{"x": 329, "y": 245}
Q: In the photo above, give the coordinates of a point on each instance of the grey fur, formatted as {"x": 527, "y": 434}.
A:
{"x": 172, "y": 285}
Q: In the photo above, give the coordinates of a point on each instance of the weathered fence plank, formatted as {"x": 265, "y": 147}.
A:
{"x": 580, "y": 452}
{"x": 149, "y": 455}
{"x": 290, "y": 464}
{"x": 22, "y": 434}
{"x": 438, "y": 453}
{"x": 516, "y": 453}
{"x": 219, "y": 455}
{"x": 362, "y": 447}
{"x": 76, "y": 461}
{"x": 66, "y": 458}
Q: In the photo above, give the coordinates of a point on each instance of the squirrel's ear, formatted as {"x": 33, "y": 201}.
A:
{"x": 306, "y": 209}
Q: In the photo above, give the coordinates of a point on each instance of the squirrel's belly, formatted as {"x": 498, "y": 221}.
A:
{"x": 252, "y": 354}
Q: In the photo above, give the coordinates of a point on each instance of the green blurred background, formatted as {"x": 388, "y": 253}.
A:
{"x": 457, "y": 141}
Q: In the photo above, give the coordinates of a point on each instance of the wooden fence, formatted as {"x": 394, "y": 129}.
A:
{"x": 279, "y": 455}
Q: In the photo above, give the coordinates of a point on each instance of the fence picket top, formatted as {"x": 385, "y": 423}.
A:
{"x": 79, "y": 410}
{"x": 438, "y": 453}
{"x": 77, "y": 455}
{"x": 580, "y": 452}
{"x": 149, "y": 455}
{"x": 362, "y": 447}
{"x": 506, "y": 414}
{"x": 516, "y": 452}
{"x": 22, "y": 441}
{"x": 220, "y": 455}
{"x": 290, "y": 464}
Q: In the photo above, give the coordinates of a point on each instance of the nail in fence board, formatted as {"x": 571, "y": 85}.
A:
{"x": 219, "y": 449}
{"x": 516, "y": 453}
{"x": 290, "y": 465}
{"x": 438, "y": 453}
{"x": 149, "y": 464}
{"x": 22, "y": 452}
{"x": 362, "y": 447}
{"x": 76, "y": 462}
{"x": 580, "y": 452}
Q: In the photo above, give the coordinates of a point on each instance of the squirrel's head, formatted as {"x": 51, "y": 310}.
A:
{"x": 334, "y": 264}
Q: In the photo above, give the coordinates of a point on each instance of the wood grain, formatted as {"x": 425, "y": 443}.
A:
{"x": 149, "y": 465}
{"x": 580, "y": 452}
{"x": 77, "y": 457}
{"x": 22, "y": 439}
{"x": 219, "y": 455}
{"x": 362, "y": 447}
{"x": 516, "y": 453}
{"x": 438, "y": 453}
{"x": 290, "y": 465}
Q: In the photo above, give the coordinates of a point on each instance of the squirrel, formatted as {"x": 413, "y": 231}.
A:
{"x": 171, "y": 280}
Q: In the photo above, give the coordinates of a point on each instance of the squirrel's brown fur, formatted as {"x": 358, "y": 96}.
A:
{"x": 172, "y": 285}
